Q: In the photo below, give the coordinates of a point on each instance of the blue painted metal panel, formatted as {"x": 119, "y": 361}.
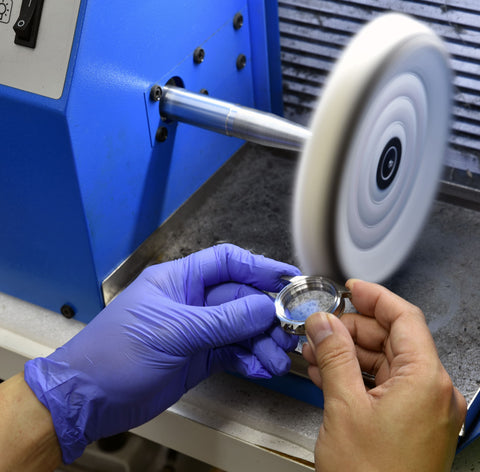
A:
{"x": 82, "y": 181}
{"x": 128, "y": 187}
{"x": 45, "y": 254}
{"x": 274, "y": 56}
{"x": 44, "y": 245}
{"x": 472, "y": 423}
{"x": 265, "y": 40}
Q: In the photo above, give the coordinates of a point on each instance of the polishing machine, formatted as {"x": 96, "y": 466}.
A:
{"x": 99, "y": 148}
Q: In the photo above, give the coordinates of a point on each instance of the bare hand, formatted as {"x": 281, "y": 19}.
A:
{"x": 410, "y": 421}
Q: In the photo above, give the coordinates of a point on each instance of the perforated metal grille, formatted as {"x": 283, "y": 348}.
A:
{"x": 314, "y": 32}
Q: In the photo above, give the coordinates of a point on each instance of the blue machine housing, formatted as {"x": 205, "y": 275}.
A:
{"x": 84, "y": 181}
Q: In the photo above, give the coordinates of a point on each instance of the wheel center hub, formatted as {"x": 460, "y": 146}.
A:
{"x": 389, "y": 163}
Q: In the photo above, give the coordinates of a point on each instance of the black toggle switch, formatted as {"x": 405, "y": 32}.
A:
{"x": 28, "y": 22}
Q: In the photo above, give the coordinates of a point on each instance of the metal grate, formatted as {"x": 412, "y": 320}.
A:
{"x": 314, "y": 32}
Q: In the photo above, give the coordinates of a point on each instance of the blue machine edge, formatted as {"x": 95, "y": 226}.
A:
{"x": 294, "y": 386}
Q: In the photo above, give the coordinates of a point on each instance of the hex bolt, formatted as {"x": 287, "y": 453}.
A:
{"x": 67, "y": 311}
{"x": 198, "y": 55}
{"x": 156, "y": 93}
{"x": 241, "y": 61}
{"x": 161, "y": 134}
{"x": 238, "y": 21}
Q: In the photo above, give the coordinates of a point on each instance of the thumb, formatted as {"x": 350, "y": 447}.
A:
{"x": 335, "y": 355}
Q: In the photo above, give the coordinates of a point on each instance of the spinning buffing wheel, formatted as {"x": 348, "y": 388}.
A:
{"x": 368, "y": 174}
{"x": 372, "y": 160}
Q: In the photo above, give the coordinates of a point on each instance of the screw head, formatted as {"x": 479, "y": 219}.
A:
{"x": 238, "y": 21}
{"x": 156, "y": 93}
{"x": 67, "y": 311}
{"x": 198, "y": 55}
{"x": 241, "y": 61}
{"x": 161, "y": 134}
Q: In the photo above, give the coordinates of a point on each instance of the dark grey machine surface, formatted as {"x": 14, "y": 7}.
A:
{"x": 248, "y": 203}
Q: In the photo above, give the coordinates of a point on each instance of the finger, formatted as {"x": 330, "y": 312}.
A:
{"x": 336, "y": 357}
{"x": 365, "y": 331}
{"x": 374, "y": 363}
{"x": 229, "y": 323}
{"x": 226, "y": 262}
{"x": 272, "y": 357}
{"x": 239, "y": 360}
{"x": 286, "y": 341}
{"x": 227, "y": 292}
{"x": 309, "y": 354}
{"x": 377, "y": 301}
{"x": 405, "y": 323}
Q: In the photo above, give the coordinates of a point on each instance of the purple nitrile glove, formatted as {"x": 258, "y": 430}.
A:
{"x": 177, "y": 323}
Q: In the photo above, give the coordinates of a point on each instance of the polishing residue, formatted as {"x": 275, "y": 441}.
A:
{"x": 305, "y": 304}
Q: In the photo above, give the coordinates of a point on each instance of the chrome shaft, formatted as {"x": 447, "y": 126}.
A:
{"x": 232, "y": 120}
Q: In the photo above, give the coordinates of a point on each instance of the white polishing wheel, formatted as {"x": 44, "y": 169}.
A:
{"x": 368, "y": 175}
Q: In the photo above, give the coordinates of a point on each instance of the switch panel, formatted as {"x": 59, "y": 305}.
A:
{"x": 36, "y": 39}
{"x": 27, "y": 24}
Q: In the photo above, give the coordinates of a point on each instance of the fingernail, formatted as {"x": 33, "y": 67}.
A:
{"x": 318, "y": 329}
{"x": 350, "y": 283}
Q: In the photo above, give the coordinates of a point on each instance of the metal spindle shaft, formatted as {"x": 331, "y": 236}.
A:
{"x": 232, "y": 120}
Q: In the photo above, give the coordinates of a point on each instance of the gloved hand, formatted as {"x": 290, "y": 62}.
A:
{"x": 177, "y": 323}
